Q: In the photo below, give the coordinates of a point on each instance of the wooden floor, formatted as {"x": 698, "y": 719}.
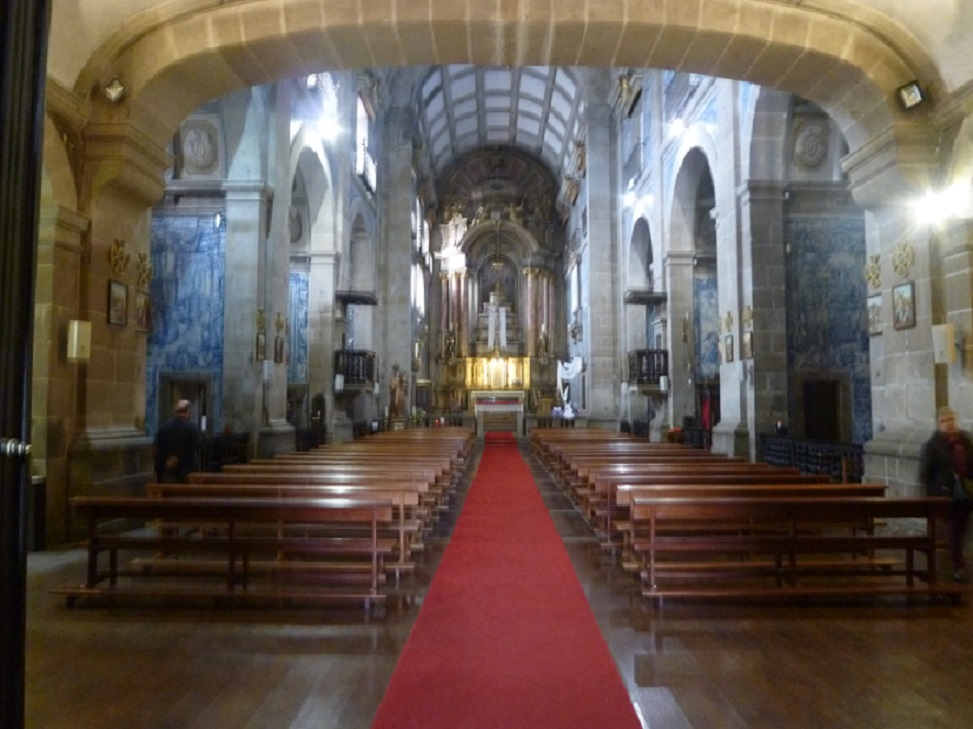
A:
{"x": 882, "y": 665}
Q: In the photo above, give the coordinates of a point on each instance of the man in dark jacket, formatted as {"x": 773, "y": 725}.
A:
{"x": 946, "y": 456}
{"x": 176, "y": 443}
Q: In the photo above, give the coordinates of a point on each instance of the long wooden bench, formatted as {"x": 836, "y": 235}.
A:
{"x": 408, "y": 523}
{"x": 693, "y": 547}
{"x": 320, "y": 559}
{"x": 623, "y": 531}
{"x": 583, "y": 486}
{"x": 375, "y": 472}
{"x": 604, "y": 508}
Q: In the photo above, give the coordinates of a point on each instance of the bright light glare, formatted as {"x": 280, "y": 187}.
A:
{"x": 677, "y": 127}
{"x": 942, "y": 205}
{"x": 628, "y": 199}
{"x": 329, "y": 129}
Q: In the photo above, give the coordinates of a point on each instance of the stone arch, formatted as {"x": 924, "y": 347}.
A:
{"x": 848, "y": 62}
{"x": 309, "y": 157}
{"x": 639, "y": 277}
{"x": 639, "y": 273}
{"x": 693, "y": 234}
{"x": 694, "y": 163}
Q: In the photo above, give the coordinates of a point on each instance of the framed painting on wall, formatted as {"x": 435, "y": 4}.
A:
{"x": 873, "y": 308}
{"x": 904, "y": 306}
{"x": 746, "y": 346}
{"x": 143, "y": 311}
{"x": 117, "y": 303}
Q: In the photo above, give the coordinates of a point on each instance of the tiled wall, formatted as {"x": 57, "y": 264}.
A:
{"x": 826, "y": 293}
{"x": 186, "y": 338}
{"x": 297, "y": 325}
{"x": 707, "y": 327}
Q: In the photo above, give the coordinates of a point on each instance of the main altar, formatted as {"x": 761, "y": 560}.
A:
{"x": 497, "y": 293}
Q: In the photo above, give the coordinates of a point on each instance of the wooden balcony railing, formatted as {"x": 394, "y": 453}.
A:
{"x": 357, "y": 366}
{"x": 646, "y": 367}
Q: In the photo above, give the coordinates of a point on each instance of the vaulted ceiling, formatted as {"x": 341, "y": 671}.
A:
{"x": 536, "y": 109}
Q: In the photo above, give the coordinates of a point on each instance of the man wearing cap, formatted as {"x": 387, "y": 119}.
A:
{"x": 176, "y": 444}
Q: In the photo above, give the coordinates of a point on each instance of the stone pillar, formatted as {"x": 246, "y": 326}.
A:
{"x": 244, "y": 315}
{"x": 603, "y": 297}
{"x": 123, "y": 178}
{"x": 763, "y": 274}
{"x": 395, "y": 200}
{"x": 954, "y": 305}
{"x": 322, "y": 332}
{"x": 905, "y": 382}
{"x": 682, "y": 375}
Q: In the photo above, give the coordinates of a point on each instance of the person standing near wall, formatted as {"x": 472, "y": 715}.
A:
{"x": 945, "y": 463}
{"x": 175, "y": 447}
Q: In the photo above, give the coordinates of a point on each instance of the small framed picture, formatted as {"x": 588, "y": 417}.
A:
{"x": 728, "y": 348}
{"x": 904, "y": 306}
{"x": 874, "y": 310}
{"x": 261, "y": 345}
{"x": 143, "y": 311}
{"x": 117, "y": 303}
{"x": 278, "y": 349}
{"x": 746, "y": 346}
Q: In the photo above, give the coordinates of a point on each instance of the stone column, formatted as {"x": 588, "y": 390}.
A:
{"x": 600, "y": 328}
{"x": 678, "y": 267}
{"x": 905, "y": 383}
{"x": 243, "y": 364}
{"x": 322, "y": 332}
{"x": 763, "y": 273}
{"x": 395, "y": 200}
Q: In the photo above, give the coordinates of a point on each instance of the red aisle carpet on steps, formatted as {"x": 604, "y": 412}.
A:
{"x": 505, "y": 638}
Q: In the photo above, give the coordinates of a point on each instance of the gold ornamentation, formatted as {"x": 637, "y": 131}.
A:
{"x": 903, "y": 258}
{"x": 261, "y": 322}
{"x": 873, "y": 271}
{"x": 279, "y": 323}
{"x": 118, "y": 256}
{"x": 728, "y": 321}
{"x": 144, "y": 270}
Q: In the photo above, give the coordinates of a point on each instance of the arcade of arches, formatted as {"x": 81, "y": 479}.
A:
{"x": 514, "y": 206}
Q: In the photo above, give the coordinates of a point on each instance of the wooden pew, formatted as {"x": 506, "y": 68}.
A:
{"x": 586, "y": 474}
{"x": 603, "y": 508}
{"x": 312, "y": 533}
{"x": 689, "y": 551}
{"x": 334, "y": 473}
{"x": 624, "y": 531}
{"x": 404, "y": 497}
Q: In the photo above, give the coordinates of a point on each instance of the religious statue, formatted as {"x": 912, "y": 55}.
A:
{"x": 450, "y": 344}
{"x": 543, "y": 342}
{"x": 397, "y": 395}
{"x": 565, "y": 372}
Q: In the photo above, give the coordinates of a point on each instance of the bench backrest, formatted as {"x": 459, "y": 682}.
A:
{"x": 627, "y": 493}
{"x": 789, "y": 509}
{"x": 238, "y": 510}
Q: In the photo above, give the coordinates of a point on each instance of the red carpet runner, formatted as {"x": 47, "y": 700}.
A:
{"x": 505, "y": 638}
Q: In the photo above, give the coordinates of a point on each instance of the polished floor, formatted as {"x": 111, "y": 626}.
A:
{"x": 865, "y": 665}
